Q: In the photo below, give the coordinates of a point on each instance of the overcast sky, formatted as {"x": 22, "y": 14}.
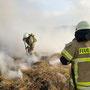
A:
{"x": 47, "y": 13}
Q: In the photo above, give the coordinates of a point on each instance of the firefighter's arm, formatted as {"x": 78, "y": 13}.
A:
{"x": 28, "y": 47}
{"x": 67, "y": 54}
{"x": 35, "y": 39}
{"x": 64, "y": 61}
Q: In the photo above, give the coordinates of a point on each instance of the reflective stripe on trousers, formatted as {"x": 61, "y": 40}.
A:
{"x": 80, "y": 85}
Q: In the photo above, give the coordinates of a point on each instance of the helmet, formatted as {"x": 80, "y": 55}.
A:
{"x": 82, "y": 25}
{"x": 26, "y": 35}
{"x": 32, "y": 34}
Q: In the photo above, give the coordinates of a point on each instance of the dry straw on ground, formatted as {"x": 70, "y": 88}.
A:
{"x": 41, "y": 76}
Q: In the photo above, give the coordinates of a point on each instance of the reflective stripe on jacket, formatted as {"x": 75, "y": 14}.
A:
{"x": 79, "y": 55}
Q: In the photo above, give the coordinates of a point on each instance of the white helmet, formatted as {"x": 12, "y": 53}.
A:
{"x": 26, "y": 35}
{"x": 82, "y": 25}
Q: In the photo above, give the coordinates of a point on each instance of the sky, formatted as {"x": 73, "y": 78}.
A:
{"x": 46, "y": 13}
{"x": 56, "y": 12}
{"x": 50, "y": 20}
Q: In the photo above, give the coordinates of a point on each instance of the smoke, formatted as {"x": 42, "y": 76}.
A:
{"x": 53, "y": 41}
{"x": 14, "y": 74}
{"x": 18, "y": 17}
{"x": 10, "y": 37}
{"x": 30, "y": 59}
{"x": 8, "y": 67}
{"x": 15, "y": 19}
{"x": 50, "y": 28}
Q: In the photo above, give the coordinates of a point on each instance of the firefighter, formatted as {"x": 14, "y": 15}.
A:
{"x": 77, "y": 52}
{"x": 29, "y": 41}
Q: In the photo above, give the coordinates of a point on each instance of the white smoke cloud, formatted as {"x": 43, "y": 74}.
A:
{"x": 19, "y": 16}
{"x": 30, "y": 59}
{"x": 17, "y": 19}
{"x": 14, "y": 74}
{"x": 7, "y": 64}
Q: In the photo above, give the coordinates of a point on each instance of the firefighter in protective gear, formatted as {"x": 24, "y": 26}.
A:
{"x": 30, "y": 40}
{"x": 77, "y": 52}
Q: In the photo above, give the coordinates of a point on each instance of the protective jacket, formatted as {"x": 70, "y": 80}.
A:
{"x": 78, "y": 54}
{"x": 31, "y": 39}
